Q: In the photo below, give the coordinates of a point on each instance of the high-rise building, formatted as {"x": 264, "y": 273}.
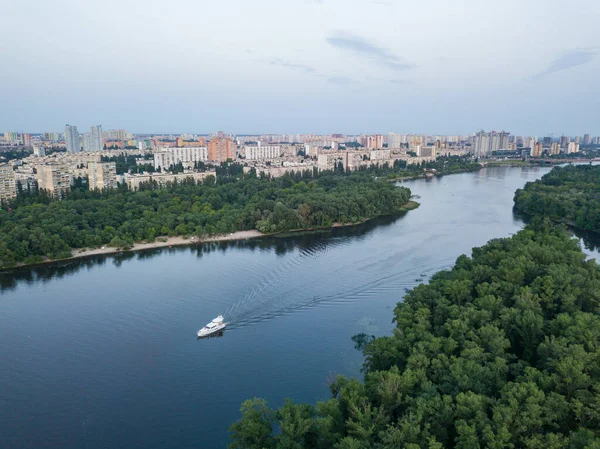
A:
{"x": 186, "y": 156}
{"x": 586, "y": 139}
{"x": 11, "y": 137}
{"x": 26, "y": 139}
{"x": 394, "y": 140}
{"x": 7, "y": 182}
{"x": 564, "y": 141}
{"x": 554, "y": 148}
{"x": 259, "y": 151}
{"x": 481, "y": 144}
{"x": 52, "y": 137}
{"x": 114, "y": 134}
{"x": 573, "y": 148}
{"x": 97, "y": 140}
{"x": 73, "y": 139}
{"x": 39, "y": 150}
{"x": 102, "y": 175}
{"x": 220, "y": 149}
{"x": 536, "y": 150}
{"x": 55, "y": 178}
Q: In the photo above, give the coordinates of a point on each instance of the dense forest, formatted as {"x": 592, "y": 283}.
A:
{"x": 501, "y": 351}
{"x": 37, "y": 227}
{"x": 570, "y": 194}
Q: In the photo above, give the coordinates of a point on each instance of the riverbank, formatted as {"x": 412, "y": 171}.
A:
{"x": 432, "y": 174}
{"x": 168, "y": 242}
{"x": 536, "y": 162}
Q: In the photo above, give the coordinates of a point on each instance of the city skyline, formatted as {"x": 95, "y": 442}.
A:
{"x": 314, "y": 66}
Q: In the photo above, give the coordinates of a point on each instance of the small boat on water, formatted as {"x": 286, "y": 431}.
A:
{"x": 215, "y": 325}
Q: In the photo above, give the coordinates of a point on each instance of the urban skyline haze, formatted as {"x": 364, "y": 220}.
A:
{"x": 302, "y": 66}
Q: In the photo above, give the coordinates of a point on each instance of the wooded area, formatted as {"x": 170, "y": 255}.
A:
{"x": 568, "y": 194}
{"x": 37, "y": 226}
{"x": 502, "y": 351}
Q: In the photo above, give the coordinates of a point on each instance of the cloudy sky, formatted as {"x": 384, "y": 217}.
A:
{"x": 299, "y": 66}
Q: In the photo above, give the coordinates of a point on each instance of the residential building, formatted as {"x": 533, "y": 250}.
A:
{"x": 8, "y": 188}
{"x": 586, "y": 139}
{"x": 113, "y": 134}
{"x": 573, "y": 148}
{"x": 186, "y": 155}
{"x": 564, "y": 141}
{"x": 255, "y": 152}
{"x": 73, "y": 139}
{"x": 378, "y": 155}
{"x": 426, "y": 151}
{"x": 52, "y": 137}
{"x": 220, "y": 149}
{"x": 484, "y": 143}
{"x": 372, "y": 142}
{"x": 39, "y": 150}
{"x": 394, "y": 140}
{"x": 554, "y": 148}
{"x": 97, "y": 139}
{"x": 134, "y": 181}
{"x": 536, "y": 150}
{"x": 26, "y": 139}
{"x": 11, "y": 137}
{"x": 102, "y": 175}
{"x": 55, "y": 178}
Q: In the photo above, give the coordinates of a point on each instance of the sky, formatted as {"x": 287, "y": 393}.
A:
{"x": 529, "y": 67}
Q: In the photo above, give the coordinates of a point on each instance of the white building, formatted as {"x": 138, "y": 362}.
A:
{"x": 7, "y": 182}
{"x": 394, "y": 140}
{"x": 72, "y": 138}
{"x": 97, "y": 141}
{"x": 378, "y": 155}
{"x": 39, "y": 150}
{"x": 255, "y": 152}
{"x": 186, "y": 155}
{"x": 102, "y": 175}
{"x": 573, "y": 148}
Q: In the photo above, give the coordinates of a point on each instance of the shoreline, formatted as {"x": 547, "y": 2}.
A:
{"x": 168, "y": 242}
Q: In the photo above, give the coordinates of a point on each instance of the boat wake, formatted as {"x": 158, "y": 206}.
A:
{"x": 360, "y": 277}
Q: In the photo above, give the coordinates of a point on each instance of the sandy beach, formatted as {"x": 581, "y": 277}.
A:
{"x": 168, "y": 241}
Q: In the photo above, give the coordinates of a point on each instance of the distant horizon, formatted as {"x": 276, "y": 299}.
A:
{"x": 203, "y": 134}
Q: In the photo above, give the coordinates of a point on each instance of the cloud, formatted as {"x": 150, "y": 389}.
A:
{"x": 341, "y": 81}
{"x": 362, "y": 47}
{"x": 569, "y": 59}
{"x": 283, "y": 63}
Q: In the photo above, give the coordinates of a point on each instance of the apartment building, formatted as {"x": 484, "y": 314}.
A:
{"x": 220, "y": 149}
{"x": 102, "y": 175}
{"x": 133, "y": 181}
{"x": 8, "y": 188}
{"x": 257, "y": 152}
{"x": 173, "y": 156}
{"x": 54, "y": 178}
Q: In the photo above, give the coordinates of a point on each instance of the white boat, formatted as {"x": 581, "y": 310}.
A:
{"x": 215, "y": 325}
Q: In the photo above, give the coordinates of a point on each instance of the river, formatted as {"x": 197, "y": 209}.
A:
{"x": 102, "y": 352}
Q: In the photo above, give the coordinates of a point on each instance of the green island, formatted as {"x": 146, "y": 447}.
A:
{"x": 567, "y": 194}
{"x": 501, "y": 351}
{"x": 35, "y": 227}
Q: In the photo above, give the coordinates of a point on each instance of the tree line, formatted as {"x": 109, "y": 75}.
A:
{"x": 501, "y": 351}
{"x": 37, "y": 227}
{"x": 569, "y": 194}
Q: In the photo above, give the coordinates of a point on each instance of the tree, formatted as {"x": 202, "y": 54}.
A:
{"x": 253, "y": 430}
{"x": 500, "y": 351}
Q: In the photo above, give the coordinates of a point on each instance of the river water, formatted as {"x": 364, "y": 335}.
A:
{"x": 102, "y": 353}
